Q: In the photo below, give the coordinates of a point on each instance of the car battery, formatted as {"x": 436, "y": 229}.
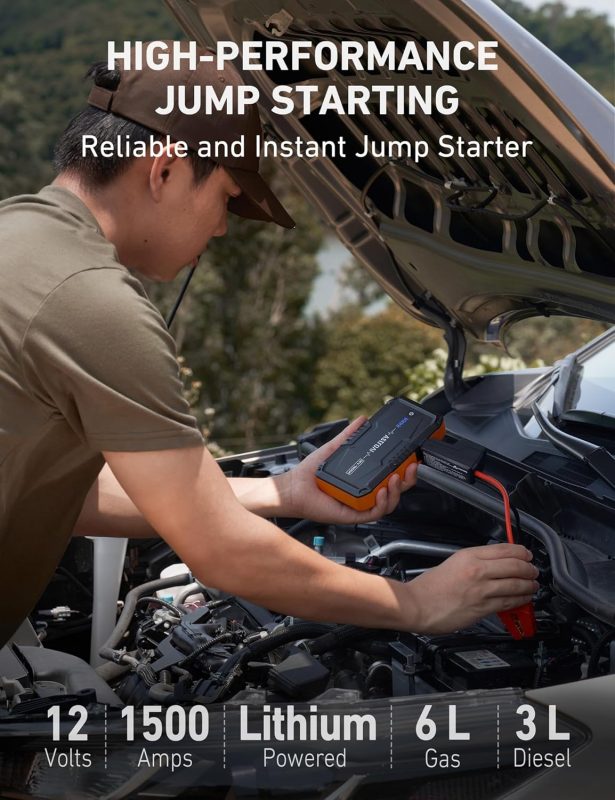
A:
{"x": 484, "y": 667}
{"x": 384, "y": 445}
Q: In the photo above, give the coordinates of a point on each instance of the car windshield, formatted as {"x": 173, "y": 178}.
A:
{"x": 595, "y": 391}
{"x": 592, "y": 395}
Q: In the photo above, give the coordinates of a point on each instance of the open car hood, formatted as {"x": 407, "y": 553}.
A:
{"x": 543, "y": 242}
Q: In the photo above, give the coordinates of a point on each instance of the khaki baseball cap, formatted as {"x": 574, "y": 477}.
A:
{"x": 140, "y": 91}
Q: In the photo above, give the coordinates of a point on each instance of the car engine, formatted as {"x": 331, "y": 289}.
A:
{"x": 179, "y": 642}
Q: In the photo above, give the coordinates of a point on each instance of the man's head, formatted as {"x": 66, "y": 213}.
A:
{"x": 161, "y": 210}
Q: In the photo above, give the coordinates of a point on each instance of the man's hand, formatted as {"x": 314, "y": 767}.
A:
{"x": 472, "y": 584}
{"x": 306, "y": 500}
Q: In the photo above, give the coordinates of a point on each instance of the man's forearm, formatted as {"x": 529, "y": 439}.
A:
{"x": 108, "y": 511}
{"x": 267, "y": 497}
{"x": 256, "y": 560}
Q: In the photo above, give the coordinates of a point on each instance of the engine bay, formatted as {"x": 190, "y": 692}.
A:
{"x": 179, "y": 642}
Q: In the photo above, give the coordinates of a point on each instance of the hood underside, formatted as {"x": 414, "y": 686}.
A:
{"x": 479, "y": 241}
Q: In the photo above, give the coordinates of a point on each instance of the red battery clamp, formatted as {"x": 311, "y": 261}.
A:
{"x": 520, "y": 622}
{"x": 460, "y": 460}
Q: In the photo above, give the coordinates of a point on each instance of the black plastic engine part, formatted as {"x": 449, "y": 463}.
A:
{"x": 299, "y": 676}
{"x": 459, "y": 458}
{"x": 484, "y": 668}
{"x": 52, "y": 666}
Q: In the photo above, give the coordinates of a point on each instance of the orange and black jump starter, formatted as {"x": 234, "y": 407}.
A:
{"x": 384, "y": 445}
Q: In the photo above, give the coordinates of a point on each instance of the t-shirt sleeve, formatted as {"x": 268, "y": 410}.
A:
{"x": 98, "y": 354}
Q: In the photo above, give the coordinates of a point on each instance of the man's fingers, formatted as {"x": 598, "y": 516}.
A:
{"x": 387, "y": 498}
{"x": 409, "y": 477}
{"x": 508, "y": 603}
{"x": 510, "y": 568}
{"x": 503, "y": 551}
{"x": 348, "y": 431}
{"x": 394, "y": 490}
{"x": 382, "y": 503}
{"x": 511, "y": 587}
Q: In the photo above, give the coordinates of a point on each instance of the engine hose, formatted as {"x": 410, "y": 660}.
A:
{"x": 379, "y": 649}
{"x": 192, "y": 588}
{"x": 109, "y": 649}
{"x": 563, "y": 580}
{"x": 301, "y": 630}
{"x": 412, "y": 547}
{"x": 305, "y": 525}
{"x": 340, "y": 637}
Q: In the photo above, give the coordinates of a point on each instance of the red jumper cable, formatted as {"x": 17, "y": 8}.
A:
{"x": 520, "y": 622}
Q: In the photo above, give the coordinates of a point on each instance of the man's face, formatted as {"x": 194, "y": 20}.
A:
{"x": 183, "y": 218}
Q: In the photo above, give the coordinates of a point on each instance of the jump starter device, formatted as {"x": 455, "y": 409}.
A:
{"x": 384, "y": 445}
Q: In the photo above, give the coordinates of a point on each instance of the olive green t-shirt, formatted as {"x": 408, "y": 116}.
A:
{"x": 86, "y": 365}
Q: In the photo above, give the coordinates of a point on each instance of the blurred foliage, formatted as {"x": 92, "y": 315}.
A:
{"x": 428, "y": 376}
{"x": 22, "y": 140}
{"x": 551, "y": 339}
{"x": 45, "y": 51}
{"x": 581, "y": 37}
{"x": 366, "y": 358}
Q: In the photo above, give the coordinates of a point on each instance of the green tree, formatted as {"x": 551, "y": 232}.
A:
{"x": 581, "y": 38}
{"x": 552, "y": 338}
{"x": 45, "y": 50}
{"x": 21, "y": 141}
{"x": 366, "y": 359}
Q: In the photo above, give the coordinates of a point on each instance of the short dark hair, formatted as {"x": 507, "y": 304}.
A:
{"x": 98, "y": 171}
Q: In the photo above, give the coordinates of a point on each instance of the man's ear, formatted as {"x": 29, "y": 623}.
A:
{"x": 161, "y": 170}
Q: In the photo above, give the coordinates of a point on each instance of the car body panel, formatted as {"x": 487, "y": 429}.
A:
{"x": 480, "y": 270}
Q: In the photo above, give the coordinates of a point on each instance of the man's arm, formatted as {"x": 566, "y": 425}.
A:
{"x": 108, "y": 511}
{"x": 295, "y": 493}
{"x": 184, "y": 496}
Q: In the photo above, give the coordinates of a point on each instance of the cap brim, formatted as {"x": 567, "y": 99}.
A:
{"x": 256, "y": 200}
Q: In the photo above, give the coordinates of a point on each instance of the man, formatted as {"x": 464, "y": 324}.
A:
{"x": 88, "y": 375}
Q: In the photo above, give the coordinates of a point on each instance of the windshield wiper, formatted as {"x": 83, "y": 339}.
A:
{"x": 568, "y": 374}
{"x": 597, "y": 458}
{"x": 566, "y": 395}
